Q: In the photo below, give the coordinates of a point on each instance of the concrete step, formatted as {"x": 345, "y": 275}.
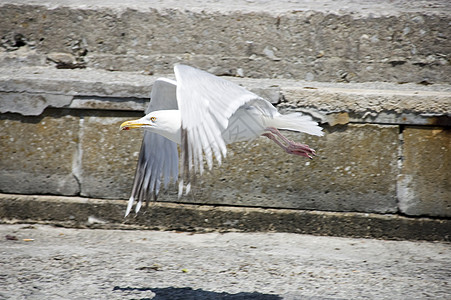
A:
{"x": 30, "y": 90}
{"x": 81, "y": 212}
{"x": 347, "y": 41}
{"x": 386, "y": 148}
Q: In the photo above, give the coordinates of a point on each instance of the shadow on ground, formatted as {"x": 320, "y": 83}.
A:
{"x": 171, "y": 293}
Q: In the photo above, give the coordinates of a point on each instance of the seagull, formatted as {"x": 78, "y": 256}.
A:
{"x": 203, "y": 113}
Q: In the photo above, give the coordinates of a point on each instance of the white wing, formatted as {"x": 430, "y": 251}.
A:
{"x": 158, "y": 158}
{"x": 206, "y": 103}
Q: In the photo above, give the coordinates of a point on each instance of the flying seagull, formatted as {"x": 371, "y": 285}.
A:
{"x": 203, "y": 113}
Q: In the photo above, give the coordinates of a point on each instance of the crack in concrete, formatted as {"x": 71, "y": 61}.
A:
{"x": 77, "y": 169}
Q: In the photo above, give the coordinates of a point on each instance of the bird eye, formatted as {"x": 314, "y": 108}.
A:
{"x": 153, "y": 119}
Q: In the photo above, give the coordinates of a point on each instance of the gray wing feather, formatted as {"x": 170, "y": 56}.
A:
{"x": 158, "y": 157}
{"x": 163, "y": 95}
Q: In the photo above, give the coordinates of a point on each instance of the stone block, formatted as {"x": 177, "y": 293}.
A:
{"x": 39, "y": 154}
{"x": 87, "y": 83}
{"x": 367, "y": 101}
{"x": 355, "y": 170}
{"x": 424, "y": 186}
{"x": 109, "y": 155}
{"x": 30, "y": 104}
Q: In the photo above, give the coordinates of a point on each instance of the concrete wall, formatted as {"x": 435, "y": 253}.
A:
{"x": 376, "y": 77}
{"x": 388, "y": 162}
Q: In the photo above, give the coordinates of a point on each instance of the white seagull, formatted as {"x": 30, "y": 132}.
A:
{"x": 203, "y": 113}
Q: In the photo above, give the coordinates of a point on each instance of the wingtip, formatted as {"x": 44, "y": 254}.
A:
{"x": 180, "y": 189}
{"x": 320, "y": 132}
{"x": 138, "y": 206}
{"x": 188, "y": 189}
{"x": 129, "y": 206}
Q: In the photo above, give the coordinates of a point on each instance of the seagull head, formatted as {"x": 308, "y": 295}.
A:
{"x": 164, "y": 122}
{"x": 147, "y": 121}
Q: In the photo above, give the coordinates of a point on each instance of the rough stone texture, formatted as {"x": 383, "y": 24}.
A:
{"x": 30, "y": 90}
{"x": 344, "y": 62}
{"x": 425, "y": 182}
{"x": 396, "y": 42}
{"x": 270, "y": 178}
{"x": 355, "y": 170}
{"x": 31, "y": 104}
{"x": 374, "y": 102}
{"x": 62, "y": 263}
{"x": 39, "y": 154}
{"x": 97, "y": 213}
{"x": 106, "y": 158}
{"x": 369, "y": 103}
{"x": 109, "y": 156}
{"x": 80, "y": 83}
{"x": 339, "y": 7}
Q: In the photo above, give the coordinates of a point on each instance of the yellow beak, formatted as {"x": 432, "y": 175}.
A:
{"x": 127, "y": 125}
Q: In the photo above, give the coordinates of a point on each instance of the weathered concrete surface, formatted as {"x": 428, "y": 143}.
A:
{"x": 401, "y": 41}
{"x": 354, "y": 66}
{"x": 341, "y": 7}
{"x": 83, "y": 82}
{"x": 29, "y": 91}
{"x": 425, "y": 182}
{"x": 63, "y": 263}
{"x": 373, "y": 102}
{"x": 39, "y": 154}
{"x": 376, "y": 103}
{"x": 97, "y": 213}
{"x": 31, "y": 104}
{"x": 109, "y": 161}
{"x": 355, "y": 170}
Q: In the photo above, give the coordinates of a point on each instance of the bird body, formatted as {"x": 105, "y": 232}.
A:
{"x": 203, "y": 113}
{"x": 168, "y": 123}
{"x": 246, "y": 124}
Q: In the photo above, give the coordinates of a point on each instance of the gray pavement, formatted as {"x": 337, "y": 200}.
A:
{"x": 357, "y": 8}
{"x": 61, "y": 263}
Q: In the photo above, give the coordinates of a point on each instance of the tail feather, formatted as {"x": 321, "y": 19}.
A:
{"x": 296, "y": 122}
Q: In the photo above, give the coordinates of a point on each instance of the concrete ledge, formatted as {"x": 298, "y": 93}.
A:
{"x": 30, "y": 90}
{"x": 97, "y": 213}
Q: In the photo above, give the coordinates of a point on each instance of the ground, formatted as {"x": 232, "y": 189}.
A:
{"x": 45, "y": 262}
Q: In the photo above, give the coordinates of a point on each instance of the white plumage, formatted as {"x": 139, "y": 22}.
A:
{"x": 203, "y": 113}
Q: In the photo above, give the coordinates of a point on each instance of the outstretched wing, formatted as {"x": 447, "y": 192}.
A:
{"x": 206, "y": 103}
{"x": 158, "y": 157}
